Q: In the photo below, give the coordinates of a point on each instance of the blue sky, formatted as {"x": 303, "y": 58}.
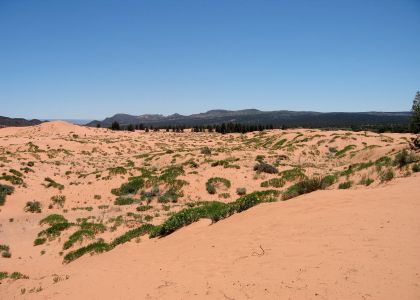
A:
{"x": 94, "y": 58}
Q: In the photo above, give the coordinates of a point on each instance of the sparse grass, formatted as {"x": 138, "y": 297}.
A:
{"x": 5, "y": 251}
{"x": 205, "y": 151}
{"x": 13, "y": 276}
{"x": 343, "y": 151}
{"x": 39, "y": 241}
{"x": 171, "y": 195}
{"x": 144, "y": 207}
{"x": 366, "y": 181}
{"x": 415, "y": 168}
{"x": 78, "y": 236}
{"x": 117, "y": 171}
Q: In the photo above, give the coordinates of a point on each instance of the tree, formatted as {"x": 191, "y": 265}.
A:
{"x": 415, "y": 117}
{"x": 115, "y": 126}
{"x": 130, "y": 127}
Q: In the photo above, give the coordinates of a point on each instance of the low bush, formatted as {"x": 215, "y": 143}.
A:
{"x": 4, "y": 191}
{"x": 131, "y": 187}
{"x": 33, "y": 207}
{"x": 241, "y": 191}
{"x": 308, "y": 185}
{"x": 52, "y": 183}
{"x": 344, "y": 185}
{"x": 404, "y": 158}
{"x": 265, "y": 168}
{"x": 53, "y": 219}
{"x": 58, "y": 200}
{"x": 124, "y": 201}
{"x": 292, "y": 174}
{"x": 387, "y": 175}
{"x": 274, "y": 182}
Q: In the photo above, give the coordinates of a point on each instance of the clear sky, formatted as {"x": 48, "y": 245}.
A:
{"x": 94, "y": 58}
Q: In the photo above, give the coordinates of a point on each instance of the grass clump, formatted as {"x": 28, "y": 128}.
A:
{"x": 33, "y": 207}
{"x": 366, "y": 181}
{"x": 4, "y": 191}
{"x": 117, "y": 171}
{"x": 12, "y": 179}
{"x": 171, "y": 195}
{"x": 13, "y": 276}
{"x": 39, "y": 241}
{"x": 54, "y": 230}
{"x": 144, "y": 207}
{"x": 415, "y": 168}
{"x": 212, "y": 182}
{"x": 265, "y": 168}
{"x": 78, "y": 237}
{"x": 343, "y": 151}
{"x": 205, "y": 151}
{"x": 97, "y": 247}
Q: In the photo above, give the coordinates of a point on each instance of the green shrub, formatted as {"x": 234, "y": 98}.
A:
{"x": 78, "y": 236}
{"x": 33, "y": 207}
{"x": 12, "y": 179}
{"x": 5, "y": 251}
{"x": 344, "y": 185}
{"x": 171, "y": 195}
{"x": 415, "y": 168}
{"x": 344, "y": 150}
{"x": 54, "y": 230}
{"x": 117, "y": 170}
{"x": 97, "y": 247}
{"x": 144, "y": 207}
{"x": 4, "y": 191}
{"x": 39, "y": 241}
{"x": 205, "y": 151}
{"x": 131, "y": 234}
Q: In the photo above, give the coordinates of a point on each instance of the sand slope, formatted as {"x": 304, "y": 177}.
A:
{"x": 349, "y": 244}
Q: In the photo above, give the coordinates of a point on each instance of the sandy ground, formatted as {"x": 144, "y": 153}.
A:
{"x": 361, "y": 243}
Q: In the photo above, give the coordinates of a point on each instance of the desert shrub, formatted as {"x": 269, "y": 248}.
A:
{"x": 117, "y": 171}
{"x": 58, "y": 200}
{"x": 387, "y": 175}
{"x": 212, "y": 182}
{"x": 33, "y": 207}
{"x": 5, "y": 251}
{"x": 94, "y": 227}
{"x": 171, "y": 195}
{"x": 260, "y": 158}
{"x": 131, "y": 234}
{"x": 241, "y": 191}
{"x": 226, "y": 163}
{"x": 171, "y": 173}
{"x": 383, "y": 161}
{"x": 52, "y": 183}
{"x": 274, "y": 182}
{"x": 78, "y": 237}
{"x": 144, "y": 207}
{"x": 292, "y": 174}
{"x": 266, "y": 168}
{"x": 18, "y": 275}
{"x": 131, "y": 187}
{"x": 39, "y": 241}
{"x": 12, "y": 179}
{"x": 342, "y": 152}
{"x": 404, "y": 158}
{"x": 124, "y": 201}
{"x": 16, "y": 172}
{"x": 96, "y": 247}
{"x": 415, "y": 168}
{"x": 53, "y": 219}
{"x": 4, "y": 191}
{"x": 347, "y": 172}
{"x": 344, "y": 185}
{"x": 252, "y": 199}
{"x": 205, "y": 151}
{"x": 224, "y": 195}
{"x": 54, "y": 230}
{"x": 308, "y": 185}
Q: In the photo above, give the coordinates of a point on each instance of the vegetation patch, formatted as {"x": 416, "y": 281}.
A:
{"x": 52, "y": 183}
{"x": 309, "y": 185}
{"x": 274, "y": 182}
{"x": 265, "y": 168}
{"x": 4, "y": 191}
{"x": 212, "y": 182}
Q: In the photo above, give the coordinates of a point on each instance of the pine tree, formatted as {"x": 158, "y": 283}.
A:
{"x": 415, "y": 117}
{"x": 115, "y": 126}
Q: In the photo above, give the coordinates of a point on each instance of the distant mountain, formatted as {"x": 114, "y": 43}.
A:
{"x": 17, "y": 122}
{"x": 254, "y": 116}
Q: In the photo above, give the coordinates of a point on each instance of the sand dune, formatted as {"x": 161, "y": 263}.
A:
{"x": 358, "y": 243}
